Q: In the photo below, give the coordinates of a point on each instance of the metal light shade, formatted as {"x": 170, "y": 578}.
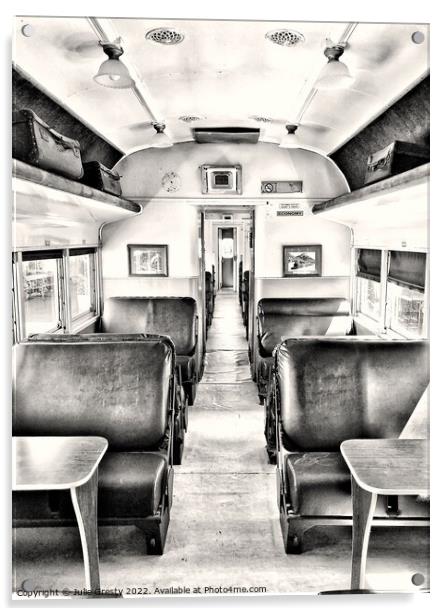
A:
{"x": 113, "y": 74}
{"x": 290, "y": 140}
{"x": 160, "y": 139}
{"x": 334, "y": 75}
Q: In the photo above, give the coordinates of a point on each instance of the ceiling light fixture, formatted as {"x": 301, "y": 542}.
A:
{"x": 335, "y": 73}
{"x": 113, "y": 73}
{"x": 290, "y": 140}
{"x": 160, "y": 139}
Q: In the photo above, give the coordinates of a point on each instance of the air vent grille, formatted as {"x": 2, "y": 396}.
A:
{"x": 261, "y": 119}
{"x": 165, "y": 36}
{"x": 226, "y": 134}
{"x": 190, "y": 118}
{"x": 286, "y": 38}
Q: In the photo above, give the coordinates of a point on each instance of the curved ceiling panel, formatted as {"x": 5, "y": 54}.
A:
{"x": 224, "y": 71}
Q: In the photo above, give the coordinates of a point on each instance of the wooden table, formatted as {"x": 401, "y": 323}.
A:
{"x": 381, "y": 466}
{"x": 65, "y": 463}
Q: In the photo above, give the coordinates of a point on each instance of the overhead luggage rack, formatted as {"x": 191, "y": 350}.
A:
{"x": 29, "y": 173}
{"x": 393, "y": 192}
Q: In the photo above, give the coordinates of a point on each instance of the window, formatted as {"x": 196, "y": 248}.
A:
{"x": 368, "y": 293}
{"x": 82, "y": 283}
{"x": 405, "y": 310}
{"x": 47, "y": 282}
{"x": 41, "y": 292}
{"x": 368, "y": 287}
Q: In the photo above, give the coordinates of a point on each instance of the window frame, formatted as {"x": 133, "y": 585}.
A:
{"x": 66, "y": 324}
{"x": 403, "y": 332}
{"x": 358, "y": 311}
{"x": 85, "y": 316}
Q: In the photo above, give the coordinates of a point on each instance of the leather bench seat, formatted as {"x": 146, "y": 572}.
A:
{"x": 120, "y": 387}
{"x": 283, "y": 318}
{"x": 175, "y": 317}
{"x": 130, "y": 485}
{"x": 319, "y": 485}
{"x": 329, "y": 390}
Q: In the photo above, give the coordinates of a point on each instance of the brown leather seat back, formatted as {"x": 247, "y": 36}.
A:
{"x": 169, "y": 316}
{"x": 283, "y": 318}
{"x": 331, "y": 390}
{"x": 118, "y": 389}
{"x": 208, "y": 281}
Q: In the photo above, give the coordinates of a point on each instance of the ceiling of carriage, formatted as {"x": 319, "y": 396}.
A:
{"x": 224, "y": 72}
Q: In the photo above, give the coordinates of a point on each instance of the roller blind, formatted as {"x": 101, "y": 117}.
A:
{"x": 81, "y": 251}
{"x": 408, "y": 269}
{"x": 39, "y": 255}
{"x": 369, "y": 264}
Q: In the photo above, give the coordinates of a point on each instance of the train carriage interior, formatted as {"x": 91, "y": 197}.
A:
{"x": 220, "y": 307}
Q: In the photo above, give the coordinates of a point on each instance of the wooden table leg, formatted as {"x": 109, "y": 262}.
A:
{"x": 84, "y": 499}
{"x": 364, "y": 504}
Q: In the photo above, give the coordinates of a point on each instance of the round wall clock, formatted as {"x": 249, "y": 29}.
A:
{"x": 171, "y": 182}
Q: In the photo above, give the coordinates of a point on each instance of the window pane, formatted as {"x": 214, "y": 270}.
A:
{"x": 81, "y": 284}
{"x": 41, "y": 292}
{"x": 406, "y": 309}
{"x": 368, "y": 297}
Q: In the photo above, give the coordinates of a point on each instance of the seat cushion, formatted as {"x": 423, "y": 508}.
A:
{"x": 319, "y": 484}
{"x": 131, "y": 484}
{"x": 187, "y": 367}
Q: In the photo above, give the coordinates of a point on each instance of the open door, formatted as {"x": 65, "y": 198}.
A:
{"x": 227, "y": 257}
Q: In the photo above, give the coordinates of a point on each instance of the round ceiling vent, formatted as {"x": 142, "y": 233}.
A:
{"x": 286, "y": 38}
{"x": 190, "y": 118}
{"x": 260, "y": 119}
{"x": 164, "y": 36}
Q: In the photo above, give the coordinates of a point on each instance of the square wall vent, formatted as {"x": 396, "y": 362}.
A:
{"x": 226, "y": 134}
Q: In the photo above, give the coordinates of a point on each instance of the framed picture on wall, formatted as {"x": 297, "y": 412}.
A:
{"x": 148, "y": 259}
{"x": 302, "y": 261}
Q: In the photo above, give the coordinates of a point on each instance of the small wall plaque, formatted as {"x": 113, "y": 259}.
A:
{"x": 293, "y": 186}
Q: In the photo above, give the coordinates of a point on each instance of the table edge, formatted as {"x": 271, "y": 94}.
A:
{"x": 63, "y": 486}
{"x": 381, "y": 491}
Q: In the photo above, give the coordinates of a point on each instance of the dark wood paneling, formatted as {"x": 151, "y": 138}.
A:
{"x": 405, "y": 120}
{"x": 93, "y": 147}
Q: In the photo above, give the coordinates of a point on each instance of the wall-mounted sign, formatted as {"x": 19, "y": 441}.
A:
{"x": 289, "y": 209}
{"x": 293, "y": 186}
{"x": 290, "y": 213}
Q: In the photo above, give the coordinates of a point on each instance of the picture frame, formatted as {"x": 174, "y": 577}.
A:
{"x": 302, "y": 261}
{"x": 148, "y": 260}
